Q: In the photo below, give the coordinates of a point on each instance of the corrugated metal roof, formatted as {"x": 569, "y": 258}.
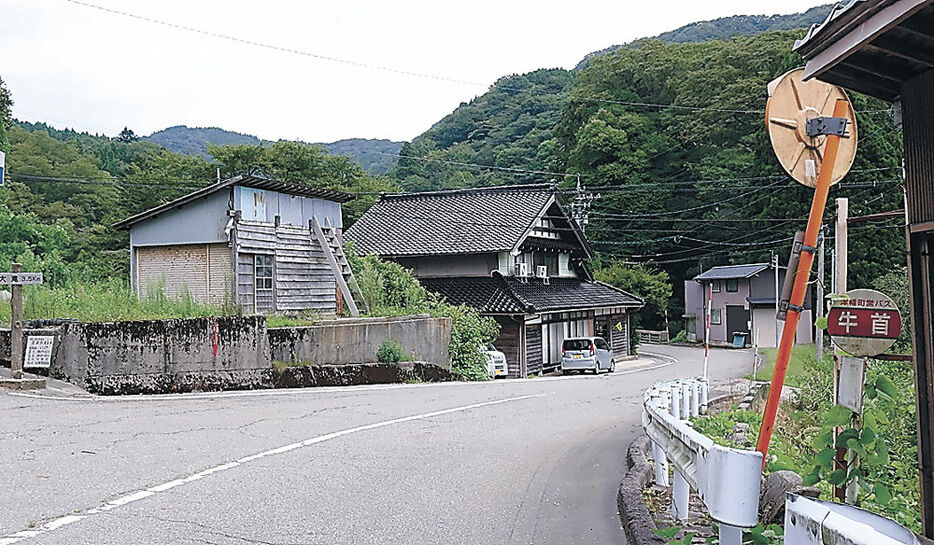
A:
{"x": 289, "y": 188}
{"x": 725, "y": 272}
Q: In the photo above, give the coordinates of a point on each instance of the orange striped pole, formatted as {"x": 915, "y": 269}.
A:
{"x": 840, "y": 109}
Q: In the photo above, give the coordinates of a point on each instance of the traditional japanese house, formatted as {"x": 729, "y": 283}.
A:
{"x": 512, "y": 252}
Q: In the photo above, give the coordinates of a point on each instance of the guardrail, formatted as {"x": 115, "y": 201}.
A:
{"x": 815, "y": 522}
{"x": 726, "y": 479}
{"x": 648, "y": 336}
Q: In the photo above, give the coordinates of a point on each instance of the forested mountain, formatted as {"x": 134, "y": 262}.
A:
{"x": 376, "y": 156}
{"x": 727, "y": 27}
{"x": 195, "y": 140}
{"x": 671, "y": 138}
{"x": 65, "y": 189}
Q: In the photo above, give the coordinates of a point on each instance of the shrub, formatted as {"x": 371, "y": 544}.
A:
{"x": 391, "y": 290}
{"x": 390, "y": 352}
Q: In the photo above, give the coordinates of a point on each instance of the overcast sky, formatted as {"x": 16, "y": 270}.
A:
{"x": 80, "y": 67}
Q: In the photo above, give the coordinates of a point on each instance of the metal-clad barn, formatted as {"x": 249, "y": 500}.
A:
{"x": 266, "y": 245}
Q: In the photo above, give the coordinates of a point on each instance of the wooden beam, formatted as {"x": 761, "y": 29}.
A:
{"x": 872, "y": 27}
{"x": 887, "y": 50}
{"x": 335, "y": 267}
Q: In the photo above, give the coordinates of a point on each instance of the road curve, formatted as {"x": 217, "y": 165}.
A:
{"x": 510, "y": 461}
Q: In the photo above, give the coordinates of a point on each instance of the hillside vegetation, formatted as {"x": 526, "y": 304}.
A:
{"x": 376, "y": 156}
{"x": 671, "y": 137}
{"x": 727, "y": 27}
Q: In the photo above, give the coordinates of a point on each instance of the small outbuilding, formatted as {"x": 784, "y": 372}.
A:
{"x": 264, "y": 245}
{"x": 742, "y": 302}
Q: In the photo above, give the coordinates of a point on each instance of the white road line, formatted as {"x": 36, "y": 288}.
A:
{"x": 168, "y": 485}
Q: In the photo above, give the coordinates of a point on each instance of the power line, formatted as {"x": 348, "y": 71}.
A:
{"x": 423, "y": 75}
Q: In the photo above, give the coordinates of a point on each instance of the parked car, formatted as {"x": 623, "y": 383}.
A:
{"x": 586, "y": 353}
{"x": 495, "y": 362}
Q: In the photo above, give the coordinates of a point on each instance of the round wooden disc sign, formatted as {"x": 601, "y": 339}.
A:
{"x": 791, "y": 103}
{"x": 865, "y": 324}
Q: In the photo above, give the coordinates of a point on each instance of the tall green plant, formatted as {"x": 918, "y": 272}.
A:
{"x": 391, "y": 290}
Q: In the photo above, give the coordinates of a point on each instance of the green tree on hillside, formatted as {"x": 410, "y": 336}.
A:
{"x": 6, "y": 115}
{"x": 651, "y": 285}
{"x": 126, "y": 136}
{"x": 311, "y": 165}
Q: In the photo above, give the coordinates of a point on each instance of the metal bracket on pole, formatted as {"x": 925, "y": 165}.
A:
{"x": 826, "y": 126}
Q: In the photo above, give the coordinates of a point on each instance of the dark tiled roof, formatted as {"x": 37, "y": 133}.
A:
{"x": 484, "y": 293}
{"x": 732, "y": 271}
{"x": 289, "y": 188}
{"x": 497, "y": 294}
{"x": 570, "y": 293}
{"x": 466, "y": 221}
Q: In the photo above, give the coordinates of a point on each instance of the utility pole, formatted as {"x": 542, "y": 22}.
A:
{"x": 775, "y": 268}
{"x": 840, "y": 281}
{"x": 819, "y": 334}
{"x": 16, "y": 330}
{"x": 580, "y": 208}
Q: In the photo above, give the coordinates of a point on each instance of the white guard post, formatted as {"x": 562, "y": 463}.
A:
{"x": 815, "y": 522}
{"x": 727, "y": 480}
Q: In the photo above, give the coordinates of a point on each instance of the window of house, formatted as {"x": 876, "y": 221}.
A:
{"x": 732, "y": 285}
{"x": 716, "y": 317}
{"x": 715, "y": 286}
{"x": 547, "y": 259}
{"x": 263, "y": 272}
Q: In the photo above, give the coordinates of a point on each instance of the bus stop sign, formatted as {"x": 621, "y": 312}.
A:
{"x": 865, "y": 324}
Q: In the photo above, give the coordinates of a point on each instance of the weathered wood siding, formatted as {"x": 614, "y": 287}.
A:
{"x": 533, "y": 348}
{"x": 201, "y": 270}
{"x": 303, "y": 278}
{"x": 619, "y": 340}
{"x": 508, "y": 344}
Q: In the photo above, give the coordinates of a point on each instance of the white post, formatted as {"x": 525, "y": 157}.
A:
{"x": 675, "y": 407}
{"x": 680, "y": 497}
{"x": 695, "y": 398}
{"x": 707, "y": 327}
{"x": 661, "y": 465}
{"x": 777, "y": 297}
{"x": 703, "y": 396}
{"x": 819, "y": 333}
{"x": 685, "y": 401}
{"x": 730, "y": 535}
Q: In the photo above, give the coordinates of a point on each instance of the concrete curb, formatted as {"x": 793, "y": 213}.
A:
{"x": 633, "y": 512}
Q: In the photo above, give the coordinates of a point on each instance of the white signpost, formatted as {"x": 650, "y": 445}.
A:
{"x": 20, "y": 279}
{"x": 2, "y": 166}
{"x": 39, "y": 351}
{"x": 17, "y": 278}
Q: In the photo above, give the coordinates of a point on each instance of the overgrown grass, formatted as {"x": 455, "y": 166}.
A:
{"x": 106, "y": 301}
{"x": 799, "y": 423}
{"x": 274, "y": 320}
{"x": 800, "y": 356}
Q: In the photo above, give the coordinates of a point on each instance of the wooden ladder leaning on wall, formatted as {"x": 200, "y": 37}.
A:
{"x": 326, "y": 236}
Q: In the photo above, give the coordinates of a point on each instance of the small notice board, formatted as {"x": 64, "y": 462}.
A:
{"x": 39, "y": 351}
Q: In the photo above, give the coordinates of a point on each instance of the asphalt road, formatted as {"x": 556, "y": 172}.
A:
{"x": 504, "y": 462}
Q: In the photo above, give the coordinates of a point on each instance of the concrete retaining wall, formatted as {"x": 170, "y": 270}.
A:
{"x": 353, "y": 341}
{"x": 162, "y": 356}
